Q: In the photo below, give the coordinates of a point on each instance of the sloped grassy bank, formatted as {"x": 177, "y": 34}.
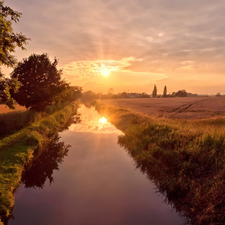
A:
{"x": 18, "y": 149}
{"x": 14, "y": 121}
{"x": 185, "y": 159}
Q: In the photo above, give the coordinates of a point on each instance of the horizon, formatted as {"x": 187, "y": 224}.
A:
{"x": 129, "y": 46}
{"x": 158, "y": 93}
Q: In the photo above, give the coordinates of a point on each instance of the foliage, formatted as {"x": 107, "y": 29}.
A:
{"x": 180, "y": 93}
{"x": 154, "y": 92}
{"x": 123, "y": 95}
{"x": 165, "y": 92}
{"x": 69, "y": 94}
{"x": 8, "y": 39}
{"x": 41, "y": 80}
{"x": 6, "y": 87}
{"x": 144, "y": 95}
{"x": 8, "y": 42}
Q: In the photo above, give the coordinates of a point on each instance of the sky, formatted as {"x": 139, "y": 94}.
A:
{"x": 129, "y": 45}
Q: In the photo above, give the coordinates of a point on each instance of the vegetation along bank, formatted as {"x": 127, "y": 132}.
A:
{"x": 185, "y": 159}
{"x": 19, "y": 148}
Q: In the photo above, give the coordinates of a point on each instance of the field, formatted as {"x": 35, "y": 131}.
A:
{"x": 182, "y": 108}
{"x": 184, "y": 158}
{"x": 5, "y": 109}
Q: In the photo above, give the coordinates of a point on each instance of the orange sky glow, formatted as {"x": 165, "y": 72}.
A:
{"x": 129, "y": 45}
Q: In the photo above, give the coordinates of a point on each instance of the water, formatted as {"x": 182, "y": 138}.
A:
{"x": 94, "y": 183}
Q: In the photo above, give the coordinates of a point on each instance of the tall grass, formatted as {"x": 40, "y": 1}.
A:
{"x": 18, "y": 149}
{"x": 185, "y": 159}
{"x": 12, "y": 122}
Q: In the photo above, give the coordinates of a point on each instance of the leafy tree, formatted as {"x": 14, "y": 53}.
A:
{"x": 8, "y": 42}
{"x": 154, "y": 92}
{"x": 181, "y": 93}
{"x": 71, "y": 93}
{"x": 8, "y": 39}
{"x": 165, "y": 92}
{"x": 144, "y": 95}
{"x": 124, "y": 95}
{"x": 6, "y": 87}
{"x": 41, "y": 80}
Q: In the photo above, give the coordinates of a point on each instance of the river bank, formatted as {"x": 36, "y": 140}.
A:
{"x": 94, "y": 179}
{"x": 184, "y": 158}
{"x": 175, "y": 108}
{"x": 19, "y": 148}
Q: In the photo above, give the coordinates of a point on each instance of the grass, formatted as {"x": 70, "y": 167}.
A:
{"x": 184, "y": 158}
{"x": 19, "y": 148}
{"x": 14, "y": 121}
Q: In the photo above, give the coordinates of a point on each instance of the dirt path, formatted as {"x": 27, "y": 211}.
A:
{"x": 183, "y": 108}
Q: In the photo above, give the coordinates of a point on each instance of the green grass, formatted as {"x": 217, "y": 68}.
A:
{"x": 18, "y": 149}
{"x": 11, "y": 167}
{"x": 185, "y": 159}
{"x": 12, "y": 122}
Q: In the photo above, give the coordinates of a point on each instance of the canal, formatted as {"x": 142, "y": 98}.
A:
{"x": 86, "y": 178}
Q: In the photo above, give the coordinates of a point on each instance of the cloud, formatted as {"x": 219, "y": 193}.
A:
{"x": 89, "y": 36}
{"x": 188, "y": 62}
{"x": 160, "y": 70}
{"x": 88, "y": 69}
{"x": 186, "y": 67}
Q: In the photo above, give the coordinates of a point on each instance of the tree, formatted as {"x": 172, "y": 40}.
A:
{"x": 124, "y": 95}
{"x": 165, "y": 92}
{"x": 144, "y": 95}
{"x": 41, "y": 80}
{"x": 6, "y": 87}
{"x": 8, "y": 42}
{"x": 71, "y": 93}
{"x": 181, "y": 93}
{"x": 154, "y": 92}
{"x": 110, "y": 92}
{"x": 8, "y": 39}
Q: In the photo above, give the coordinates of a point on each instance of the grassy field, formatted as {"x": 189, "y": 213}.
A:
{"x": 184, "y": 158}
{"x": 181, "y": 108}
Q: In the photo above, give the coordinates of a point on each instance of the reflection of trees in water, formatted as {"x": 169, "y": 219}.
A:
{"x": 40, "y": 169}
{"x": 75, "y": 118}
{"x": 188, "y": 194}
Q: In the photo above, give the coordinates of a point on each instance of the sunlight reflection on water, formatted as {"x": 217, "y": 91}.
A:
{"x": 97, "y": 183}
{"x": 94, "y": 123}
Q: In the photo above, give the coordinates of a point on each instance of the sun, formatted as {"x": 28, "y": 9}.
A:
{"x": 105, "y": 73}
{"x": 103, "y": 120}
